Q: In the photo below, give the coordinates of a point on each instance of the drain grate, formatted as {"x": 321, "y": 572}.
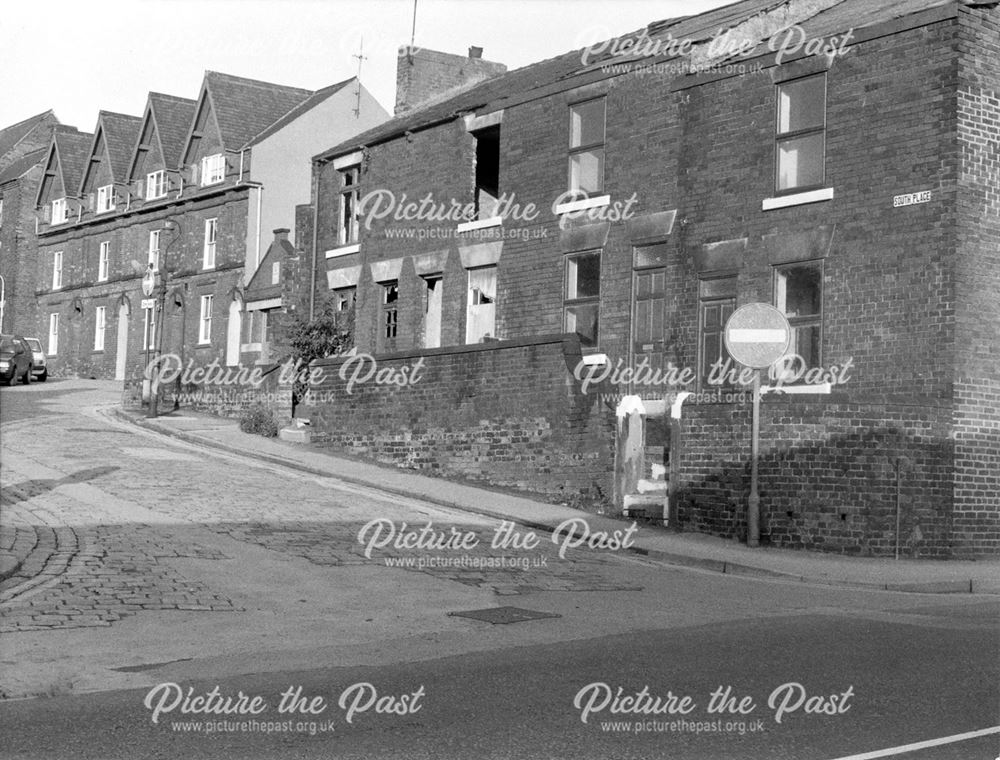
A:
{"x": 503, "y": 615}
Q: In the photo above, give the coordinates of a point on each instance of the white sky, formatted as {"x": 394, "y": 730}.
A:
{"x": 79, "y": 56}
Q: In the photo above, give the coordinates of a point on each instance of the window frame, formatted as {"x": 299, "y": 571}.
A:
{"x": 205, "y": 320}
{"x": 349, "y": 232}
{"x": 100, "y": 325}
{"x": 156, "y": 181}
{"x": 53, "y": 346}
{"x": 149, "y": 328}
{"x": 106, "y": 201}
{"x": 785, "y": 137}
{"x": 153, "y": 254}
{"x": 575, "y": 150}
{"x": 209, "y": 247}
{"x": 57, "y": 270}
{"x": 103, "y": 260}
{"x": 389, "y": 309}
{"x": 213, "y": 169}
{"x": 721, "y": 296}
{"x": 59, "y": 204}
{"x": 806, "y": 321}
{"x": 569, "y": 303}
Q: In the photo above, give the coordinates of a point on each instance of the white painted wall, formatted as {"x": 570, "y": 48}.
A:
{"x": 281, "y": 163}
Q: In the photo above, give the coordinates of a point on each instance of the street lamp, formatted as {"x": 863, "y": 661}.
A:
{"x": 169, "y": 225}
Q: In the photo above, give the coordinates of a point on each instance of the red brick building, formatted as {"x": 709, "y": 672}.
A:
{"x": 837, "y": 160}
{"x": 181, "y": 191}
{"x": 22, "y": 150}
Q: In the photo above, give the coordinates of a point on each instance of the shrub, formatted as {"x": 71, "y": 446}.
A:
{"x": 259, "y": 421}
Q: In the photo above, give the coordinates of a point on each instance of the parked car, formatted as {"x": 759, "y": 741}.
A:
{"x": 15, "y": 359}
{"x": 39, "y": 368}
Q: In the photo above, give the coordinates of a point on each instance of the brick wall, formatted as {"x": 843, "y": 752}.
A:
{"x": 17, "y": 254}
{"x": 507, "y": 414}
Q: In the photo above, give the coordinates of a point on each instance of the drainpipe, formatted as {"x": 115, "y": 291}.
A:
{"x": 315, "y": 241}
{"x": 674, "y": 473}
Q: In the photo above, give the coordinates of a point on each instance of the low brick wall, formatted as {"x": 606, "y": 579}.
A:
{"x": 223, "y": 400}
{"x": 508, "y": 413}
{"x": 827, "y": 476}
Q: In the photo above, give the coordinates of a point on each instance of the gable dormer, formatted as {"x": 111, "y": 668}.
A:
{"x": 205, "y": 153}
{"x": 105, "y": 182}
{"x": 154, "y": 168}
{"x": 56, "y": 198}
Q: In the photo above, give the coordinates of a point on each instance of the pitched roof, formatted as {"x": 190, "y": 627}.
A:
{"x": 173, "y": 116}
{"x": 12, "y": 135}
{"x": 311, "y": 102}
{"x": 120, "y": 134}
{"x": 246, "y": 107}
{"x": 824, "y": 17}
{"x": 22, "y": 165}
{"x": 74, "y": 150}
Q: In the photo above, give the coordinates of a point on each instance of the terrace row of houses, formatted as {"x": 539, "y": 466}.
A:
{"x": 522, "y": 251}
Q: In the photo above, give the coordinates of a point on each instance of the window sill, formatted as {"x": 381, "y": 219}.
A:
{"x": 213, "y": 182}
{"x": 480, "y": 224}
{"x": 343, "y": 250}
{"x": 249, "y": 347}
{"x": 586, "y": 203}
{"x": 797, "y": 199}
{"x": 208, "y": 268}
{"x": 204, "y": 344}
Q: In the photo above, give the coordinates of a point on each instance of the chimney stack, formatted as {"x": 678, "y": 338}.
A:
{"x": 424, "y": 75}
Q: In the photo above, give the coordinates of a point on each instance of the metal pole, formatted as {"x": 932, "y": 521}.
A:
{"x": 3, "y": 299}
{"x": 154, "y": 380}
{"x": 753, "y": 504}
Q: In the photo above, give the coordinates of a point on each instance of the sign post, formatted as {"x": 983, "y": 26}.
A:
{"x": 756, "y": 336}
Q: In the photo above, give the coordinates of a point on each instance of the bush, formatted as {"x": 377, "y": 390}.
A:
{"x": 259, "y": 421}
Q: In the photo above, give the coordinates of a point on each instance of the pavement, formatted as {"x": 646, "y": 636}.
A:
{"x": 707, "y": 553}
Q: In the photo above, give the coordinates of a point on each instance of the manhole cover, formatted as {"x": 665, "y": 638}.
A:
{"x": 504, "y": 615}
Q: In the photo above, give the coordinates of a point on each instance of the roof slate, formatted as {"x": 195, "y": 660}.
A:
{"x": 120, "y": 135}
{"x": 74, "y": 153}
{"x": 246, "y": 107}
{"x": 311, "y": 102}
{"x": 518, "y": 84}
{"x": 173, "y": 117}
{"x": 22, "y": 165}
{"x": 10, "y": 136}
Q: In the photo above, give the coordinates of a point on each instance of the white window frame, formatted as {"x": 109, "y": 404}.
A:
{"x": 103, "y": 260}
{"x": 205, "y": 321}
{"x": 149, "y": 328}
{"x": 100, "y": 322}
{"x": 57, "y": 265}
{"x": 105, "y": 199}
{"x": 156, "y": 185}
{"x": 53, "y": 347}
{"x": 153, "y": 253}
{"x": 349, "y": 233}
{"x": 208, "y": 252}
{"x": 213, "y": 169}
{"x": 60, "y": 211}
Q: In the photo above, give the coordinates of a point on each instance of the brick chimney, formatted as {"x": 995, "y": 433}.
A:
{"x": 426, "y": 74}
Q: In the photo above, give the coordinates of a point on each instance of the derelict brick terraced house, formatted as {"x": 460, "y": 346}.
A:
{"x": 615, "y": 208}
{"x": 192, "y": 188}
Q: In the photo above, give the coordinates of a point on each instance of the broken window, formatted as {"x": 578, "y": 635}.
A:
{"x": 344, "y": 298}
{"x": 432, "y": 312}
{"x": 581, "y": 304}
{"x": 487, "y": 172}
{"x": 586, "y": 146}
{"x": 798, "y": 294}
{"x": 717, "y": 304}
{"x": 390, "y": 315}
{"x": 801, "y": 133}
{"x": 480, "y": 320}
{"x": 347, "y": 219}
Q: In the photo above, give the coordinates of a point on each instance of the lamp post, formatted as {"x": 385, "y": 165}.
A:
{"x": 170, "y": 225}
{"x": 3, "y": 299}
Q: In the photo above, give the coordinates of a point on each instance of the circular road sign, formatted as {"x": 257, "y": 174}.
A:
{"x": 757, "y": 335}
{"x": 148, "y": 282}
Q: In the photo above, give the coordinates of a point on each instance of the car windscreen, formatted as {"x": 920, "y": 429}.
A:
{"x": 7, "y": 345}
{"x": 33, "y": 343}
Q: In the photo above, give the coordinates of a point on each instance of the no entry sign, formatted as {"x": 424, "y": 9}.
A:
{"x": 757, "y": 335}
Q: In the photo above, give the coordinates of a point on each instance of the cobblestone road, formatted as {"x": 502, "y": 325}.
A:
{"x": 108, "y": 510}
